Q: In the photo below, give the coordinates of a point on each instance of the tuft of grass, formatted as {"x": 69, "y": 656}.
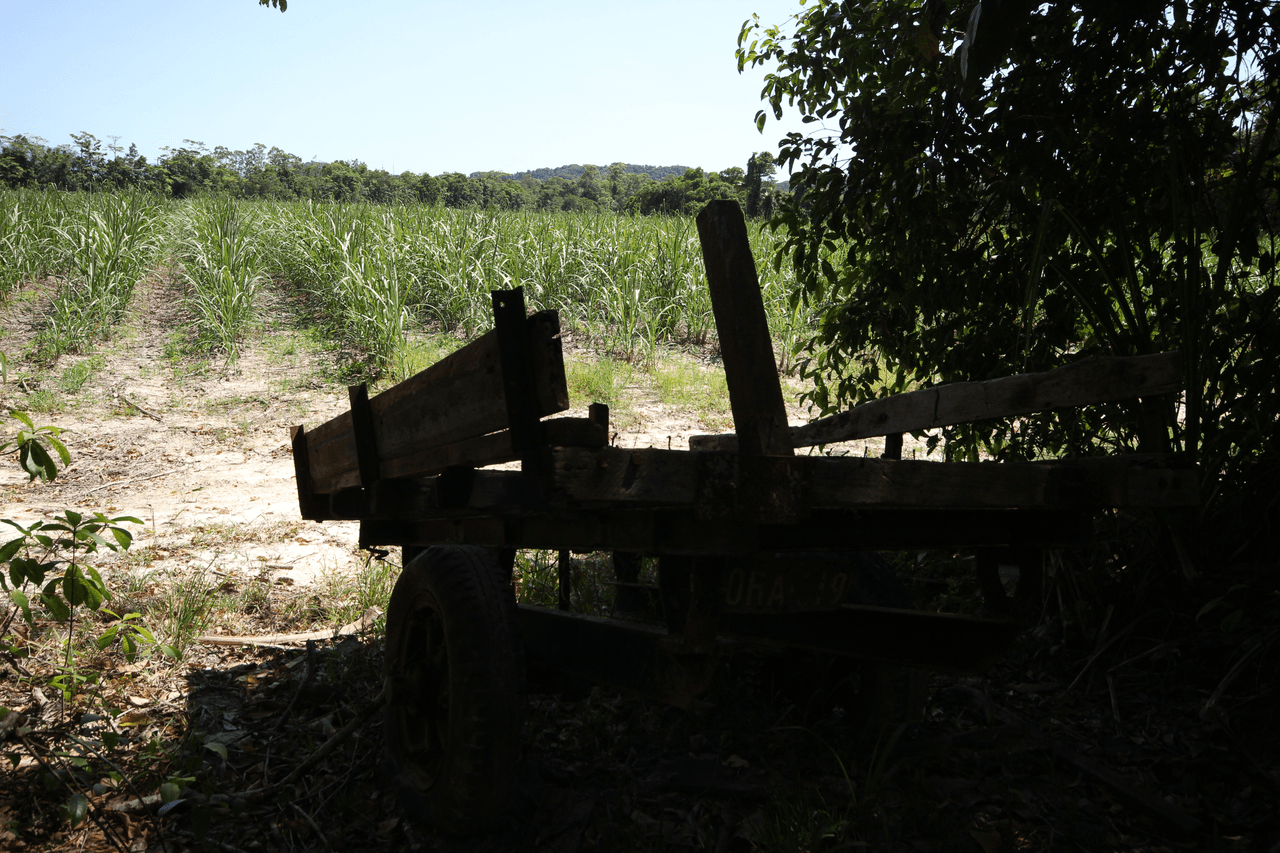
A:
{"x": 346, "y": 597}
{"x": 106, "y": 242}
{"x": 689, "y": 387}
{"x": 76, "y": 376}
{"x": 417, "y": 353}
{"x": 601, "y": 380}
{"x": 223, "y": 271}
{"x": 537, "y": 581}
{"x": 183, "y": 610}
{"x": 44, "y": 402}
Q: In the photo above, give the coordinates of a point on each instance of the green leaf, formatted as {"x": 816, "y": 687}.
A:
{"x": 169, "y": 792}
{"x": 77, "y": 808}
{"x": 22, "y": 416}
{"x": 1213, "y": 603}
{"x": 36, "y": 462}
{"x": 10, "y": 548}
{"x": 98, "y": 582}
{"x": 20, "y": 599}
{"x": 55, "y": 606}
{"x": 94, "y": 540}
{"x": 214, "y": 746}
{"x": 63, "y": 454}
{"x": 108, "y": 637}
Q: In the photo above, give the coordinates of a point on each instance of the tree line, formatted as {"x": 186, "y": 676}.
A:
{"x": 87, "y": 164}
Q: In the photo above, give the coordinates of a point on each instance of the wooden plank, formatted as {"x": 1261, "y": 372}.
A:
{"x": 615, "y": 475}
{"x": 517, "y": 370}
{"x": 612, "y": 476}
{"x": 547, "y": 357}
{"x": 680, "y": 531}
{"x": 626, "y": 655}
{"x": 309, "y": 505}
{"x": 1093, "y": 380}
{"x": 457, "y": 398}
{"x": 751, "y": 372}
{"x": 494, "y": 449}
{"x": 331, "y": 450}
{"x": 935, "y": 641}
{"x": 363, "y": 433}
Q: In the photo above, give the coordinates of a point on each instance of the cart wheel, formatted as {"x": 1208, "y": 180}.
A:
{"x": 454, "y": 705}
{"x": 885, "y": 694}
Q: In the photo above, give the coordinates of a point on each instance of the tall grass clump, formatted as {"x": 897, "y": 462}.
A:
{"x": 348, "y": 258}
{"x": 109, "y": 241}
{"x": 222, "y": 269}
{"x": 626, "y": 286}
{"x": 29, "y": 221}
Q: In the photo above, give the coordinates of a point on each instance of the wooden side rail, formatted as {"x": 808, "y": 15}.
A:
{"x": 789, "y": 489}
{"x": 457, "y": 412}
{"x": 1093, "y": 380}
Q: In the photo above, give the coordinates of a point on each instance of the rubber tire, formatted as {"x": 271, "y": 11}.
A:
{"x": 454, "y": 677}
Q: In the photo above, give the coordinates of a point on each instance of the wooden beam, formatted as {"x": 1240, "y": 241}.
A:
{"x": 457, "y": 398}
{"x": 517, "y": 370}
{"x": 675, "y": 532}
{"x": 627, "y": 655}
{"x": 755, "y": 395}
{"x": 311, "y": 507}
{"x": 363, "y": 434}
{"x": 613, "y": 476}
{"x": 495, "y": 448}
{"x": 934, "y": 641}
{"x": 1093, "y": 380}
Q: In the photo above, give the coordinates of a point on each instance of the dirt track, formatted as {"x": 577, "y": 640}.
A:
{"x": 200, "y": 452}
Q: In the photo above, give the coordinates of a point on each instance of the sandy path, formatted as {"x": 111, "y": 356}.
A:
{"x": 201, "y": 453}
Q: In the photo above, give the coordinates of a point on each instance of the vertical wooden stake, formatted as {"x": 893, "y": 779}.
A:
{"x": 755, "y": 395}
{"x": 565, "y": 577}
{"x": 312, "y": 506}
{"x": 363, "y": 431}
{"x": 517, "y": 373}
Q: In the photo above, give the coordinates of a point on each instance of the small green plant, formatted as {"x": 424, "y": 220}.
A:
{"x": 416, "y": 354}
{"x": 689, "y": 387}
{"x": 76, "y": 376}
{"x": 184, "y": 612}
{"x": 131, "y": 633}
{"x": 603, "y": 380}
{"x": 32, "y": 455}
{"x": 223, "y": 271}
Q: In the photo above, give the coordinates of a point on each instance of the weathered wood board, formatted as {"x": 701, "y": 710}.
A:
{"x": 755, "y": 395}
{"x": 458, "y": 398}
{"x": 1093, "y": 380}
{"x": 681, "y": 531}
{"x": 717, "y": 483}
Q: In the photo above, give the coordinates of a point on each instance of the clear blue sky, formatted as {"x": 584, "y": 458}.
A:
{"x": 402, "y": 85}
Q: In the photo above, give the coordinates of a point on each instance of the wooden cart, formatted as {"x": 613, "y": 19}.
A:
{"x": 753, "y": 542}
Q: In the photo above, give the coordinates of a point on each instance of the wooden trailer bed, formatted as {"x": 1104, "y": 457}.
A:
{"x": 754, "y": 543}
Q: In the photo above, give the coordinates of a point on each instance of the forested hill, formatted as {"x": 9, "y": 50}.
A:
{"x": 574, "y": 171}
{"x": 262, "y": 172}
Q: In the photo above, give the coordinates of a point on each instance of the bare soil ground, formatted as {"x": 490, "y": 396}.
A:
{"x": 1029, "y": 757}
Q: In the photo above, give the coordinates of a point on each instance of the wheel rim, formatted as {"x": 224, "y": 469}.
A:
{"x": 421, "y": 697}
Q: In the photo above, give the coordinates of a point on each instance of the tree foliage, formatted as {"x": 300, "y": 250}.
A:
{"x": 270, "y": 173}
{"x": 1010, "y": 185}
